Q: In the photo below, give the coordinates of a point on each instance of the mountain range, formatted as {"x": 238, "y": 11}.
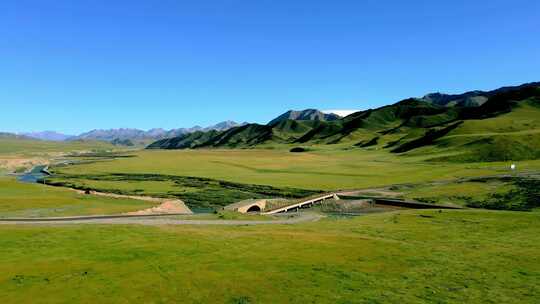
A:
{"x": 136, "y": 134}
{"x": 125, "y": 136}
{"x": 469, "y": 99}
{"x": 7, "y": 135}
{"x": 47, "y": 135}
{"x": 500, "y": 124}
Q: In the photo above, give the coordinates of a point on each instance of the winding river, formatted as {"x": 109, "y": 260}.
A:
{"x": 35, "y": 174}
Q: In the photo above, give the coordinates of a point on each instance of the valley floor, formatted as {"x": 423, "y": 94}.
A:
{"x": 215, "y": 178}
{"x": 407, "y": 256}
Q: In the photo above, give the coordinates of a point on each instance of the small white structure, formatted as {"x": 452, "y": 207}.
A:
{"x": 513, "y": 167}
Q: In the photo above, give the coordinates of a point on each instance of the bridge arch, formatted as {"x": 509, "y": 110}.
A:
{"x": 254, "y": 208}
{"x": 249, "y": 205}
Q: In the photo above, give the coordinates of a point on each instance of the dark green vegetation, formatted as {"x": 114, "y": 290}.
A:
{"x": 196, "y": 192}
{"x": 351, "y": 206}
{"x": 524, "y": 196}
{"x": 427, "y": 139}
{"x": 498, "y": 193}
{"x": 397, "y": 257}
{"x": 122, "y": 142}
{"x": 298, "y": 150}
{"x": 368, "y": 143}
{"x": 471, "y": 127}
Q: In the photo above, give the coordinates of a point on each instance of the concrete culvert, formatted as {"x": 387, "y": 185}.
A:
{"x": 254, "y": 208}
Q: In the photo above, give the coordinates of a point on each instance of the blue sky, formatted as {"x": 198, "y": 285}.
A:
{"x": 72, "y": 66}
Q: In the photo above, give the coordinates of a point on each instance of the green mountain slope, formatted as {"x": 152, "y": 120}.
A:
{"x": 504, "y": 126}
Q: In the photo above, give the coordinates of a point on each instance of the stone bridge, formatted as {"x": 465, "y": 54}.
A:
{"x": 259, "y": 205}
{"x": 250, "y": 205}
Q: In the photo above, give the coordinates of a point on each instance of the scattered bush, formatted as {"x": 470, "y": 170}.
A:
{"x": 298, "y": 150}
{"x": 524, "y": 198}
{"x": 369, "y": 143}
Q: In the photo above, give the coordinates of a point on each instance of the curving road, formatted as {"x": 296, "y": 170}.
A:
{"x": 154, "y": 220}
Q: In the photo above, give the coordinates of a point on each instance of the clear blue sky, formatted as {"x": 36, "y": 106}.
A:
{"x": 72, "y": 66}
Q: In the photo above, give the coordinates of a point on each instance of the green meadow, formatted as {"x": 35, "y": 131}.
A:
{"x": 456, "y": 193}
{"x": 34, "y": 200}
{"x": 397, "y": 257}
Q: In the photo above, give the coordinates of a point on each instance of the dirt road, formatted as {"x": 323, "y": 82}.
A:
{"x": 156, "y": 220}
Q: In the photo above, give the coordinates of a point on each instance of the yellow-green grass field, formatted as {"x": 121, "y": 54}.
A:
{"x": 29, "y": 147}
{"x": 151, "y": 188}
{"x": 397, "y": 257}
{"x": 19, "y": 199}
{"x": 324, "y": 169}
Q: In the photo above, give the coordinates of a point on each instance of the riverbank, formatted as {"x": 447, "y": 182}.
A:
{"x": 166, "y": 206}
{"x": 19, "y": 199}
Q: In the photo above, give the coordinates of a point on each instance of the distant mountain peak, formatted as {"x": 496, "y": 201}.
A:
{"x": 340, "y": 112}
{"x": 123, "y": 134}
{"x": 307, "y": 114}
{"x": 47, "y": 135}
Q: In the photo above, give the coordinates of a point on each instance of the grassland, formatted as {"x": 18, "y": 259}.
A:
{"x": 214, "y": 178}
{"x": 455, "y": 193}
{"x": 318, "y": 169}
{"x": 406, "y": 256}
{"x": 19, "y": 154}
{"x": 502, "y": 193}
{"x": 31, "y": 147}
{"x": 235, "y": 175}
{"x": 34, "y": 200}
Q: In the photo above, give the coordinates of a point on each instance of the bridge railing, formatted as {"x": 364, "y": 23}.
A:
{"x": 302, "y": 202}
